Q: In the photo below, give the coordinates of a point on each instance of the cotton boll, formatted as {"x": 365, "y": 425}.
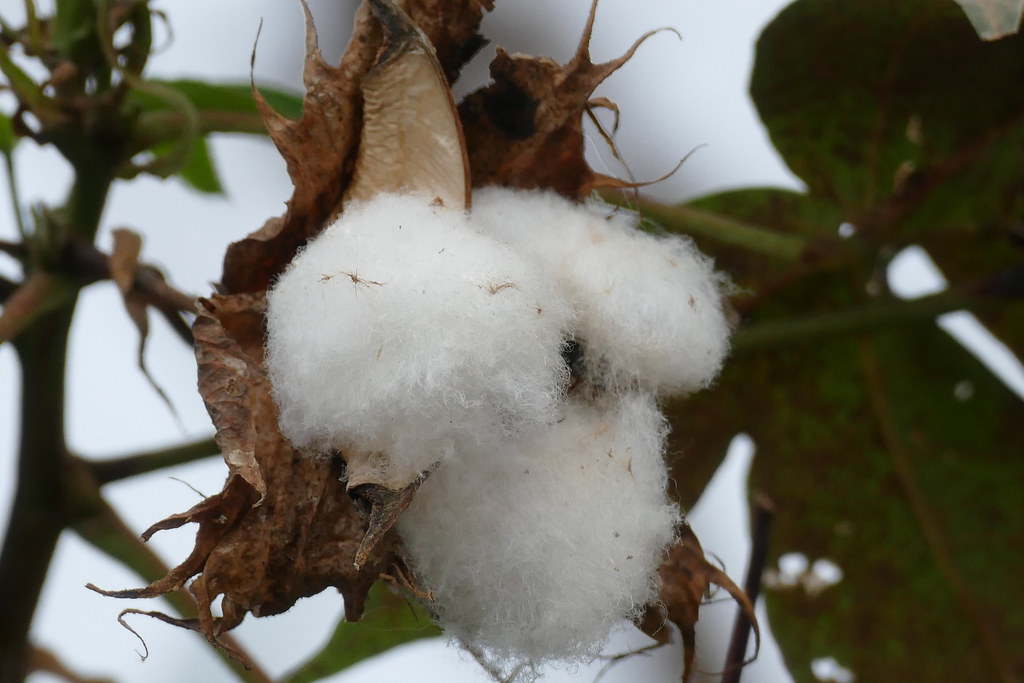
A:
{"x": 649, "y": 307}
{"x": 400, "y": 333}
{"x": 534, "y": 551}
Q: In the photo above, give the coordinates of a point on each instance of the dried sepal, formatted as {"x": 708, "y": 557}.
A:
{"x": 224, "y": 379}
{"x": 215, "y": 515}
{"x": 411, "y": 140}
{"x": 316, "y": 150}
{"x": 304, "y": 535}
{"x": 525, "y": 129}
{"x": 686, "y": 580}
{"x": 124, "y": 258}
{"x": 320, "y": 148}
{"x": 385, "y": 506}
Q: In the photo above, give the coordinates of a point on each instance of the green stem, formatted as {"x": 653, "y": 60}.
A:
{"x": 34, "y": 34}
{"x": 106, "y": 471}
{"x": 38, "y": 514}
{"x": 12, "y": 188}
{"x": 685, "y": 219}
{"x": 851, "y": 321}
{"x": 41, "y": 501}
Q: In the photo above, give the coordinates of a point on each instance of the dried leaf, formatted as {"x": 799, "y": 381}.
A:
{"x": 124, "y": 271}
{"x": 686, "y": 579}
{"x": 224, "y": 381}
{"x": 411, "y": 139}
{"x": 124, "y": 259}
{"x": 526, "y": 128}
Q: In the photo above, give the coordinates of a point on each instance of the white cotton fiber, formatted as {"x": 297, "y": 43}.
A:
{"x": 649, "y": 307}
{"x": 535, "y": 550}
{"x": 401, "y": 333}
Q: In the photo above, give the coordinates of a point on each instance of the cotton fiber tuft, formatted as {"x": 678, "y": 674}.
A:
{"x": 536, "y": 550}
{"x": 649, "y": 306}
{"x": 412, "y": 338}
{"x": 402, "y": 333}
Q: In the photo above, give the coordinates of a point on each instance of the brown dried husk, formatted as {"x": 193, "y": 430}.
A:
{"x": 284, "y": 526}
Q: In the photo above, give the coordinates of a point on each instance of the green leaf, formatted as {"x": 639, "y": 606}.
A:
{"x": 199, "y": 171}
{"x": 218, "y": 108}
{"x": 821, "y": 457}
{"x": 389, "y": 620}
{"x": 224, "y": 107}
{"x": 888, "y": 448}
{"x": 879, "y": 104}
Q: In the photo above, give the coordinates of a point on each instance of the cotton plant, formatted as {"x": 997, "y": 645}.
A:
{"x": 511, "y": 356}
{"x": 501, "y": 356}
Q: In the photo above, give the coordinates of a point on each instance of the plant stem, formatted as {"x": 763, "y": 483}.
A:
{"x": 685, "y": 219}
{"x": 764, "y": 512}
{"x": 12, "y": 188}
{"x": 106, "y": 471}
{"x": 41, "y": 502}
{"x": 853, "y": 320}
{"x": 38, "y": 514}
{"x": 34, "y": 34}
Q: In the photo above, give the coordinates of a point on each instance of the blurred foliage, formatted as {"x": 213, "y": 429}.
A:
{"x": 390, "y": 620}
{"x": 886, "y": 446}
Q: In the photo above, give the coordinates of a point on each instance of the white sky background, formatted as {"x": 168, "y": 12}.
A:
{"x": 674, "y": 96}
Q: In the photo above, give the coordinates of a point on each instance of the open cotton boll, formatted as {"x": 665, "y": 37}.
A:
{"x": 649, "y": 306}
{"x": 400, "y": 332}
{"x": 535, "y": 551}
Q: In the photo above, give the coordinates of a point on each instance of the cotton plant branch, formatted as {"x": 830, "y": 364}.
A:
{"x": 708, "y": 225}
{"x": 41, "y": 659}
{"x": 864, "y": 318}
{"x": 116, "y": 469}
{"x": 764, "y": 513}
{"x": 37, "y": 516}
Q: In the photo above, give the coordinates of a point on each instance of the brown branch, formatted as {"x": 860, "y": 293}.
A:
{"x": 926, "y": 518}
{"x": 764, "y": 512}
{"x": 41, "y": 659}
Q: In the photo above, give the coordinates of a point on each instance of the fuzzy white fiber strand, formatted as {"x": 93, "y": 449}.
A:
{"x": 403, "y": 333}
{"x": 536, "y": 550}
{"x": 649, "y": 306}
